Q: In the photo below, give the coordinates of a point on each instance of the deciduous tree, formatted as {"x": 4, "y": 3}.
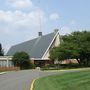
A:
{"x": 74, "y": 46}
{"x": 22, "y": 60}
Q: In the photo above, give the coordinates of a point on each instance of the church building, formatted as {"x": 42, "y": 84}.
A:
{"x": 38, "y": 49}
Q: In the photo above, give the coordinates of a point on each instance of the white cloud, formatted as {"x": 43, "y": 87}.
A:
{"x": 54, "y": 16}
{"x": 18, "y": 24}
{"x": 5, "y": 16}
{"x": 65, "y": 30}
{"x": 20, "y": 3}
{"x": 20, "y": 20}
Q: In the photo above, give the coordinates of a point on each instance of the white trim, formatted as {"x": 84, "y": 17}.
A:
{"x": 2, "y": 58}
{"x": 36, "y": 58}
{"x": 50, "y": 45}
{"x": 6, "y": 56}
{"x": 39, "y": 59}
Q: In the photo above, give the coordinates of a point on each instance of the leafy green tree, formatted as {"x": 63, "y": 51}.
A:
{"x": 53, "y": 54}
{"x": 56, "y": 54}
{"x": 1, "y": 50}
{"x": 22, "y": 60}
{"x": 81, "y": 46}
{"x": 74, "y": 46}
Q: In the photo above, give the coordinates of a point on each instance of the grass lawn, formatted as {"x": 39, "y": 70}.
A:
{"x": 67, "y": 81}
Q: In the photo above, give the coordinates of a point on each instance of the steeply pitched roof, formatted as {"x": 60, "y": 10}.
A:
{"x": 35, "y": 48}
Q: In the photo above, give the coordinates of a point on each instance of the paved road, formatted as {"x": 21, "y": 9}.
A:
{"x": 21, "y": 80}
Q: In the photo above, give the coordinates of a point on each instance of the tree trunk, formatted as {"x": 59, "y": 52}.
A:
{"x": 78, "y": 61}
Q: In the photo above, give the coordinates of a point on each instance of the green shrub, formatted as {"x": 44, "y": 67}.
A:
{"x": 32, "y": 66}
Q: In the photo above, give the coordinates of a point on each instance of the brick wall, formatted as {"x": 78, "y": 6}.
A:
{"x": 9, "y": 68}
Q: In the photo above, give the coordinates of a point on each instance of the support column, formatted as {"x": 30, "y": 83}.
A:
{"x": 7, "y": 62}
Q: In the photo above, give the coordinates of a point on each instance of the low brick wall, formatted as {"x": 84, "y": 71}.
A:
{"x": 9, "y": 68}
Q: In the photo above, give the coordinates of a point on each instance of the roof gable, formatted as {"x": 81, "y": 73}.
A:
{"x": 35, "y": 48}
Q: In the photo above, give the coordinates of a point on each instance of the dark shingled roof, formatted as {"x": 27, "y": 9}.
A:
{"x": 35, "y": 48}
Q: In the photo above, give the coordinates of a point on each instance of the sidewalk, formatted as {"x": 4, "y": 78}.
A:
{"x": 2, "y": 73}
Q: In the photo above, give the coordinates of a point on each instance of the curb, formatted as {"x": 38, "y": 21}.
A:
{"x": 32, "y": 84}
{"x": 2, "y": 73}
{"x": 66, "y": 70}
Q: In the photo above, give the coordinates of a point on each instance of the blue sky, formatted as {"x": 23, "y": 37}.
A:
{"x": 20, "y": 19}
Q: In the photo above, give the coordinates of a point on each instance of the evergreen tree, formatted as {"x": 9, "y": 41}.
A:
{"x": 1, "y": 50}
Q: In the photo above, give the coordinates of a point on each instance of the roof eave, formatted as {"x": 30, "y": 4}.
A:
{"x": 50, "y": 45}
